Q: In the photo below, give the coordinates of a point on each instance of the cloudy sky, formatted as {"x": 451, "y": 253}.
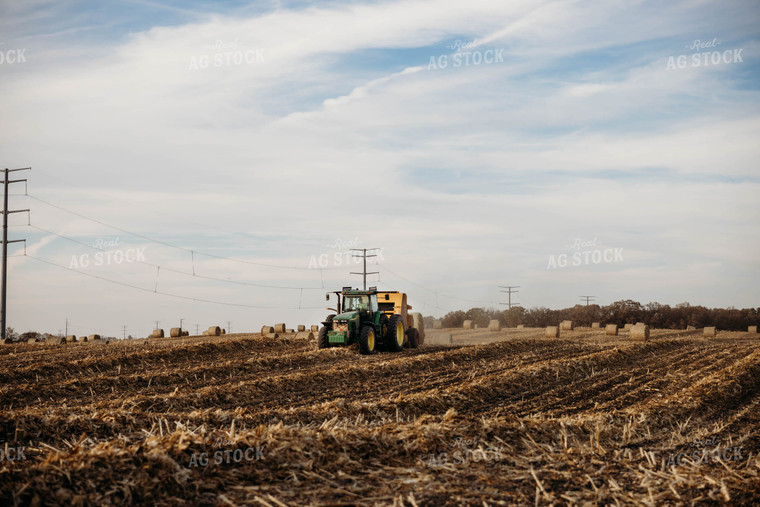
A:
{"x": 216, "y": 162}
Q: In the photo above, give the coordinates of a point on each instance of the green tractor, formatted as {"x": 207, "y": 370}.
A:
{"x": 359, "y": 319}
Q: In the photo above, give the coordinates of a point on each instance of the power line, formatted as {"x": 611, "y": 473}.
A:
{"x": 155, "y": 291}
{"x": 588, "y": 298}
{"x": 170, "y": 245}
{"x": 6, "y": 212}
{"x": 434, "y": 291}
{"x": 195, "y": 275}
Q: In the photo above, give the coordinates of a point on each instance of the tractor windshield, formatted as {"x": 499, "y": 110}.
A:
{"x": 354, "y": 303}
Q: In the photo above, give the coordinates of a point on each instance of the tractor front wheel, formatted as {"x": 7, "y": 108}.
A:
{"x": 323, "y": 341}
{"x": 367, "y": 342}
{"x": 394, "y": 337}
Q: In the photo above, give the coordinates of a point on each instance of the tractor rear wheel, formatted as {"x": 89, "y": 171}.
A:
{"x": 367, "y": 341}
{"x": 413, "y": 338}
{"x": 396, "y": 332}
{"x": 323, "y": 341}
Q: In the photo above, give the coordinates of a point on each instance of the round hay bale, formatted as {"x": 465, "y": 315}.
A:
{"x": 158, "y": 333}
{"x": 279, "y": 328}
{"x": 437, "y": 324}
{"x": 611, "y": 330}
{"x": 441, "y": 339}
{"x": 224, "y": 331}
{"x": 494, "y": 325}
{"x": 314, "y": 328}
{"x": 691, "y": 328}
{"x": 567, "y": 325}
{"x": 95, "y": 337}
{"x": 185, "y": 333}
{"x": 552, "y": 332}
{"x": 596, "y": 325}
{"x": 640, "y": 333}
{"x": 301, "y": 328}
{"x": 710, "y": 332}
{"x": 175, "y": 332}
{"x": 290, "y": 331}
{"x": 305, "y": 335}
{"x": 215, "y": 331}
{"x": 467, "y": 324}
{"x": 752, "y": 329}
{"x": 55, "y": 339}
{"x": 71, "y": 338}
{"x": 85, "y": 338}
{"x": 520, "y": 326}
{"x": 267, "y": 330}
{"x": 205, "y": 333}
{"x": 627, "y": 327}
{"x": 32, "y": 340}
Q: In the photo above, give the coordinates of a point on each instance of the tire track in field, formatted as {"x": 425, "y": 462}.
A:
{"x": 607, "y": 390}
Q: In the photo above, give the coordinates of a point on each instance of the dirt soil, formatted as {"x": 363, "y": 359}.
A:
{"x": 494, "y": 419}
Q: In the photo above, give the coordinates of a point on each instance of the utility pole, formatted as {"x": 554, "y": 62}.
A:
{"x": 510, "y": 291}
{"x": 157, "y": 323}
{"x": 67, "y": 326}
{"x": 364, "y": 256}
{"x": 124, "y": 329}
{"x": 7, "y": 182}
{"x": 229, "y": 327}
{"x": 588, "y": 298}
{"x": 180, "y": 324}
{"x": 196, "y": 330}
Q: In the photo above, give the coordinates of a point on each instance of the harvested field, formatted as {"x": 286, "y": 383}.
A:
{"x": 496, "y": 418}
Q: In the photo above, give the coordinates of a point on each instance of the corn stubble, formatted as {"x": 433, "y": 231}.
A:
{"x": 586, "y": 418}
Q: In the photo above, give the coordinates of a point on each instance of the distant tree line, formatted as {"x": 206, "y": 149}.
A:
{"x": 628, "y": 311}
